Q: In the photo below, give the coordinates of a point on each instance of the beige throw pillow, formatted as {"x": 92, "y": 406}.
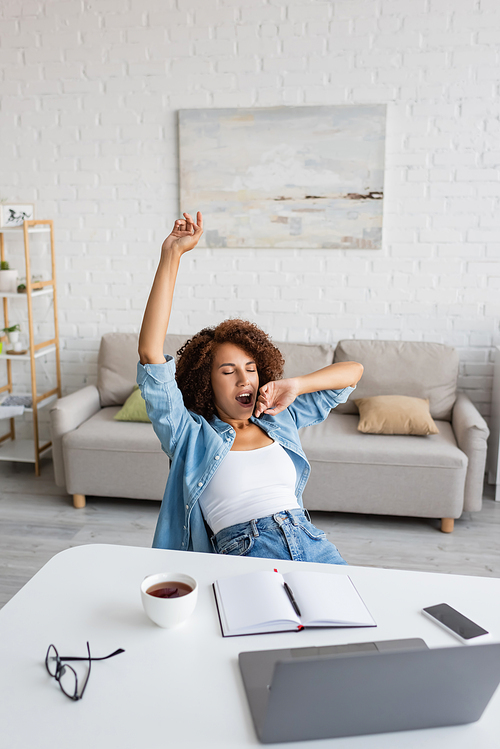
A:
{"x": 395, "y": 414}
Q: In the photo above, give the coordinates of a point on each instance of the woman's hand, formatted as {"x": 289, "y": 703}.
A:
{"x": 276, "y": 396}
{"x": 185, "y": 235}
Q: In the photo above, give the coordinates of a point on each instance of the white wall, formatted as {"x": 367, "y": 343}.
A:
{"x": 90, "y": 90}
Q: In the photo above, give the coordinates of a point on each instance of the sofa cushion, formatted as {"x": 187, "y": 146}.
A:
{"x": 102, "y": 432}
{"x": 337, "y": 440}
{"x": 134, "y": 408}
{"x": 302, "y": 358}
{"x": 395, "y": 414}
{"x": 117, "y": 364}
{"x": 109, "y": 458}
{"x": 420, "y": 370}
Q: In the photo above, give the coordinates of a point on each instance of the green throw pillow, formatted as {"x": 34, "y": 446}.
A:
{"x": 134, "y": 408}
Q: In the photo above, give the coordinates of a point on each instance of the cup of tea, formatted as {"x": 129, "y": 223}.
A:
{"x": 169, "y": 598}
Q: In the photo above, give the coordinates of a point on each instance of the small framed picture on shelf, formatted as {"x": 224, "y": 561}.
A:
{"x": 13, "y": 214}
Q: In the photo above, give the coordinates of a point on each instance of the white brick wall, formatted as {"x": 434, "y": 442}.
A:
{"x": 88, "y": 132}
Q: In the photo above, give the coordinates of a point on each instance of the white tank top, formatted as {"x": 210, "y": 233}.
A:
{"x": 250, "y": 484}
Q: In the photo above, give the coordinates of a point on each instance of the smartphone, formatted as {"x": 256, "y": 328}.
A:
{"x": 456, "y": 623}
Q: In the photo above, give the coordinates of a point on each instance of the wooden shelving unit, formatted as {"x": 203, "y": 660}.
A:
{"x": 493, "y": 465}
{"x": 30, "y": 451}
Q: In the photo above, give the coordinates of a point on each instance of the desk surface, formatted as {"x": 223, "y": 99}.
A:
{"x": 182, "y": 687}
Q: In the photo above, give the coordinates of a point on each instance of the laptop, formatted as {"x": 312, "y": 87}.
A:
{"x": 299, "y": 694}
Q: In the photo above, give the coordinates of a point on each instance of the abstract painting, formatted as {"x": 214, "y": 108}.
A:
{"x": 14, "y": 214}
{"x": 285, "y": 177}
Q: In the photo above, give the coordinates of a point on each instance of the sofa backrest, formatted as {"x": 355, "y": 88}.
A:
{"x": 420, "y": 370}
{"x": 118, "y": 357}
{"x": 302, "y": 358}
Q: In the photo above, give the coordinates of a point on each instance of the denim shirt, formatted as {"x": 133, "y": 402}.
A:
{"x": 197, "y": 448}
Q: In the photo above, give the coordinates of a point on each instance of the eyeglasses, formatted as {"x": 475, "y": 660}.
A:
{"x": 66, "y": 675}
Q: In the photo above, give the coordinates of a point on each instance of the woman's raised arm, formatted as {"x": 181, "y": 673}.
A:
{"x": 275, "y": 396}
{"x": 185, "y": 235}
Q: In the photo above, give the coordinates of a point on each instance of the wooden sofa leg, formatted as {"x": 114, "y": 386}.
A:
{"x": 79, "y": 501}
{"x": 447, "y": 525}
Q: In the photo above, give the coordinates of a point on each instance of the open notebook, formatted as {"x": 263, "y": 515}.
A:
{"x": 259, "y": 602}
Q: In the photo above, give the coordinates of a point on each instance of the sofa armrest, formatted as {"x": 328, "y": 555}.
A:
{"x": 67, "y": 414}
{"x": 471, "y": 433}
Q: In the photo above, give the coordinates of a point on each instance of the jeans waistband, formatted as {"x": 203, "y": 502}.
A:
{"x": 254, "y": 527}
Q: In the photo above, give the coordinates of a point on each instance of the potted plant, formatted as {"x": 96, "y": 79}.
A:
{"x": 8, "y": 278}
{"x": 13, "y": 333}
{"x": 35, "y": 284}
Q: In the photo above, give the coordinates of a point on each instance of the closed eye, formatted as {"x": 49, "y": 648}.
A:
{"x": 232, "y": 364}
{"x": 232, "y": 371}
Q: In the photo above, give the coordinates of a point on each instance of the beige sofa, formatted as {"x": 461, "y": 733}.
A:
{"x": 438, "y": 476}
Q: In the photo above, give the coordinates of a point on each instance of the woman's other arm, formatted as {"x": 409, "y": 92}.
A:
{"x": 185, "y": 235}
{"x": 275, "y": 396}
{"x": 334, "y": 377}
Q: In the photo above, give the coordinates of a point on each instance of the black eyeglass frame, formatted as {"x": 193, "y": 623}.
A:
{"x": 60, "y": 667}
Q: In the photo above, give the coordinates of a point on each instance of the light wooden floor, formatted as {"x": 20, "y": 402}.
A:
{"x": 37, "y": 520}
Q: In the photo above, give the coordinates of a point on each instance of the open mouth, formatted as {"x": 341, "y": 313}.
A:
{"x": 244, "y": 399}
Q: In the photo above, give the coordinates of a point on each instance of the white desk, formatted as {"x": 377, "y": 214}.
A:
{"x": 182, "y": 688}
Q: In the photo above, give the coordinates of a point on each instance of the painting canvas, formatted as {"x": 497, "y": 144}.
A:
{"x": 305, "y": 177}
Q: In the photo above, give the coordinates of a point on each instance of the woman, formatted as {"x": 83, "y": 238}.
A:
{"x": 230, "y": 426}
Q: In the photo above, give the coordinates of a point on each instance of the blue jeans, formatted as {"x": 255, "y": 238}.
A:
{"x": 285, "y": 535}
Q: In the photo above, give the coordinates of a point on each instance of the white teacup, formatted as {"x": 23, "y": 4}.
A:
{"x": 169, "y": 611}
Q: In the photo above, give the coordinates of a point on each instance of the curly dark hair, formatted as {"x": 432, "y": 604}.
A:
{"x": 195, "y": 358}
